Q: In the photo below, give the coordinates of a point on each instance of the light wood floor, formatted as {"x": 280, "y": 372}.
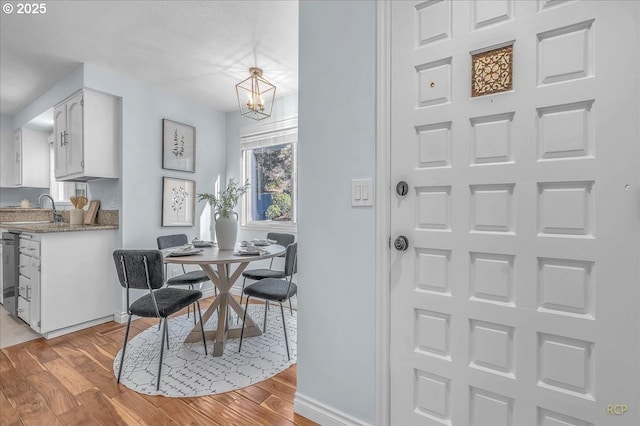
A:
{"x": 69, "y": 381}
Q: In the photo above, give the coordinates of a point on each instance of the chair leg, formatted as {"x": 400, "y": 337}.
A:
{"x": 244, "y": 318}
{"x": 124, "y": 347}
{"x": 284, "y": 326}
{"x": 161, "y": 353}
{"x": 242, "y": 291}
{"x": 189, "y": 307}
{"x": 290, "y": 307}
{"x": 266, "y": 307}
{"x": 241, "y": 294}
{"x": 204, "y": 341}
{"x": 166, "y": 332}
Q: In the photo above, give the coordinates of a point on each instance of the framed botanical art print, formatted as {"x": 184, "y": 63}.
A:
{"x": 178, "y": 146}
{"x": 178, "y": 202}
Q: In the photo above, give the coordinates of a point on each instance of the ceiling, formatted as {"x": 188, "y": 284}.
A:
{"x": 196, "y": 49}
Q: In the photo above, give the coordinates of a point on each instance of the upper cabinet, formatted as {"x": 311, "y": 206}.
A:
{"x": 25, "y": 162}
{"x": 86, "y": 129}
{"x": 31, "y": 168}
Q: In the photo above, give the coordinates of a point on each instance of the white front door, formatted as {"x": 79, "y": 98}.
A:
{"x": 516, "y": 302}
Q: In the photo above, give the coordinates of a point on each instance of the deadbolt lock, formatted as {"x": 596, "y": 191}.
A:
{"x": 401, "y": 243}
{"x": 402, "y": 188}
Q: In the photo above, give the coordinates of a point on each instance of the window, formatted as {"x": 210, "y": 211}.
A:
{"x": 270, "y": 164}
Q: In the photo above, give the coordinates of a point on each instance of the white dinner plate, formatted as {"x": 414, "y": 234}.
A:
{"x": 247, "y": 252}
{"x": 200, "y": 243}
{"x": 188, "y": 252}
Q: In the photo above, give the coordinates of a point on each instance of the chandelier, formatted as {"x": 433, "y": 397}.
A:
{"x": 255, "y": 95}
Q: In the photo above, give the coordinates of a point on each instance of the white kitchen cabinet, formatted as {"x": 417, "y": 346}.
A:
{"x": 31, "y": 159}
{"x": 75, "y": 286}
{"x": 29, "y": 282}
{"x": 86, "y": 129}
{"x": 2, "y": 230}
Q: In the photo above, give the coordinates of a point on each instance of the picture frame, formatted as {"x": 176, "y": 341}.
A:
{"x": 178, "y": 201}
{"x": 178, "y": 146}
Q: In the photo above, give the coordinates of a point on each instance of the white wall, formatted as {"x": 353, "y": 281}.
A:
{"x": 336, "y": 298}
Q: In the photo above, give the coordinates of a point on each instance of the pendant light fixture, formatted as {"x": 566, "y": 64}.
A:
{"x": 255, "y": 95}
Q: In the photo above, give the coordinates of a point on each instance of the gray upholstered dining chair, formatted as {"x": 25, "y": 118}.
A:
{"x": 143, "y": 270}
{"x": 274, "y": 289}
{"x": 190, "y": 278}
{"x": 258, "y": 274}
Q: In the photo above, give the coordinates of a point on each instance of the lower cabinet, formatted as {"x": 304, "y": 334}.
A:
{"x": 67, "y": 280}
{"x": 29, "y": 282}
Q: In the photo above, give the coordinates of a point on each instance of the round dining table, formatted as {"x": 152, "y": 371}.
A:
{"x": 218, "y": 265}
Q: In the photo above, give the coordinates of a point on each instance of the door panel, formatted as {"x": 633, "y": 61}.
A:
{"x": 75, "y": 154}
{"x": 517, "y": 301}
{"x": 60, "y": 151}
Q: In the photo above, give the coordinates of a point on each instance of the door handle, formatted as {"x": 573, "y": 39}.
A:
{"x": 401, "y": 243}
{"x": 402, "y": 188}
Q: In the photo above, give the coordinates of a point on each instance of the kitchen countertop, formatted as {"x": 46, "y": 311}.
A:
{"x": 42, "y": 221}
{"x": 38, "y": 228}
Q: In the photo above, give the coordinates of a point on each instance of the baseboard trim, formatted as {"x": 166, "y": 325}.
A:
{"x": 323, "y": 414}
{"x": 77, "y": 327}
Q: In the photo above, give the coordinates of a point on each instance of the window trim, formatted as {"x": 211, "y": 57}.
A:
{"x": 256, "y": 137}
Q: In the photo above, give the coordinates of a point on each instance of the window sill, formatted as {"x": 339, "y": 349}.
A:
{"x": 269, "y": 226}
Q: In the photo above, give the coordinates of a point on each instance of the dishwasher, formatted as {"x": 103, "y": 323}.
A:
{"x": 10, "y": 274}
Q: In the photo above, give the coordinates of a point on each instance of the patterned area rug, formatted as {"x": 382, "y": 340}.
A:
{"x": 186, "y": 371}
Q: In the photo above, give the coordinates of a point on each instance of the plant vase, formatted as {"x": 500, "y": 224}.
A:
{"x": 226, "y": 231}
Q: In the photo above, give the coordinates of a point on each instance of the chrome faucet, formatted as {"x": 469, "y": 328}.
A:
{"x": 57, "y": 217}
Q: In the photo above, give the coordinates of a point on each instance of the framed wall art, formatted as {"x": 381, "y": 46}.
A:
{"x": 178, "y": 202}
{"x": 178, "y": 146}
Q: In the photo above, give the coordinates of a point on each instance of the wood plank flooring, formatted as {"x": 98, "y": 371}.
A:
{"x": 69, "y": 381}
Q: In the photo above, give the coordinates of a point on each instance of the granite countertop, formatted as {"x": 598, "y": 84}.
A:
{"x": 39, "y": 227}
{"x": 40, "y": 221}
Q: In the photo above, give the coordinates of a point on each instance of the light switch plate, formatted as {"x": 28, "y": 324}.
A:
{"x": 362, "y": 192}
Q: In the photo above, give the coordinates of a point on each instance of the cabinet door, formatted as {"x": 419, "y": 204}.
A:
{"x": 74, "y": 143}
{"x": 34, "y": 294}
{"x": 24, "y": 309}
{"x": 60, "y": 151}
{"x": 17, "y": 167}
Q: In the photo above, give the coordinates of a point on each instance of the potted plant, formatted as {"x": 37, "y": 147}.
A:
{"x": 226, "y": 219}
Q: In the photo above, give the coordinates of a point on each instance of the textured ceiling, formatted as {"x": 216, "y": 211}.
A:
{"x": 196, "y": 49}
